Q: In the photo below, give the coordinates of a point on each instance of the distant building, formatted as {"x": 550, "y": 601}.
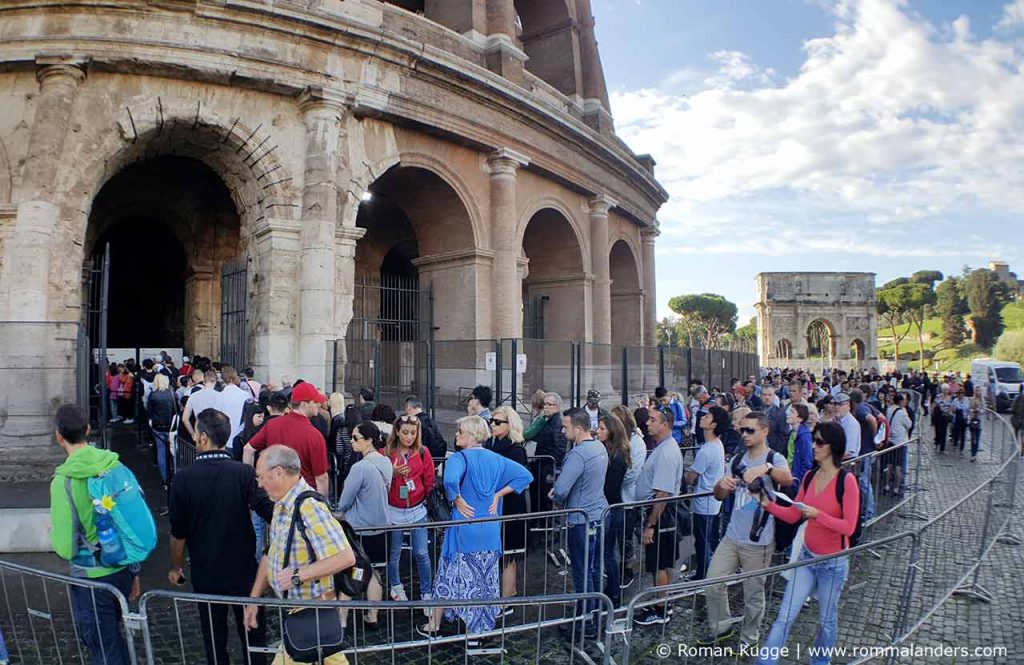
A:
{"x": 1002, "y": 271}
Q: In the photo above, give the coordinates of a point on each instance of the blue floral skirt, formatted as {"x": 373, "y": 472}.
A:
{"x": 470, "y": 576}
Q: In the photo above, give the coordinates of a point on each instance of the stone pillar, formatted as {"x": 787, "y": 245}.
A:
{"x": 28, "y": 273}
{"x": 503, "y": 52}
{"x": 647, "y": 236}
{"x": 322, "y": 112}
{"x": 595, "y": 91}
{"x": 275, "y": 311}
{"x": 506, "y": 289}
{"x": 344, "y": 297}
{"x": 599, "y": 257}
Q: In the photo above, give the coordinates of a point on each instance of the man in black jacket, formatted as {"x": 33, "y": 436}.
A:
{"x": 778, "y": 432}
{"x": 432, "y": 437}
{"x": 550, "y": 443}
{"x": 209, "y": 513}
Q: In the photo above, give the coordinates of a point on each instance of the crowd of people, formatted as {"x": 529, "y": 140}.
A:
{"x": 261, "y": 449}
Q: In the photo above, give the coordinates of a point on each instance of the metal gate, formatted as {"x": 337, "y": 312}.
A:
{"x": 96, "y": 323}
{"x": 234, "y": 295}
{"x": 387, "y": 348}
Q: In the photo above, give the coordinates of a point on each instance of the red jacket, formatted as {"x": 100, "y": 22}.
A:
{"x": 421, "y": 473}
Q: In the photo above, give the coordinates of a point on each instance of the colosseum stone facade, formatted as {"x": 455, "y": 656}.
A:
{"x": 466, "y": 144}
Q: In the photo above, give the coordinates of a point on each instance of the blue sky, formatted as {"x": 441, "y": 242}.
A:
{"x": 875, "y": 135}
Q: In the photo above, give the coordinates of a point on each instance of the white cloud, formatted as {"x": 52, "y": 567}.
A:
{"x": 889, "y": 121}
{"x": 1013, "y": 15}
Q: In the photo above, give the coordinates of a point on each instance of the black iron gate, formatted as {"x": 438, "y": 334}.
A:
{"x": 234, "y": 295}
{"x": 96, "y": 322}
{"x": 387, "y": 348}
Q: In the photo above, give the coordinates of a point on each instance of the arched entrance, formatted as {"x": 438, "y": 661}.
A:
{"x": 857, "y": 349}
{"x": 626, "y": 296}
{"x": 821, "y": 343}
{"x": 554, "y": 289}
{"x": 171, "y": 224}
{"x": 784, "y": 349}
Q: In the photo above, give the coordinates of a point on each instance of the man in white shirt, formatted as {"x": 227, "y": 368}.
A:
{"x": 231, "y": 401}
{"x": 200, "y": 401}
{"x": 849, "y": 424}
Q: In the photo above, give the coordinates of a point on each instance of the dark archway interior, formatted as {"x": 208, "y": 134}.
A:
{"x": 147, "y": 287}
{"x": 171, "y": 224}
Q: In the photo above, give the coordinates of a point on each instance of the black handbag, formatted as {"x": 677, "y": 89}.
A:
{"x": 438, "y": 507}
{"x": 310, "y": 634}
{"x": 352, "y": 581}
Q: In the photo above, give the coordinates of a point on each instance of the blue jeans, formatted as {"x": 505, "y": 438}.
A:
{"x": 705, "y": 541}
{"x": 259, "y": 527}
{"x": 586, "y": 574}
{"x": 98, "y": 619}
{"x": 3, "y": 649}
{"x": 161, "y": 438}
{"x": 420, "y": 555}
{"x": 613, "y": 540}
{"x": 868, "y": 509}
{"x": 827, "y": 578}
{"x": 975, "y": 441}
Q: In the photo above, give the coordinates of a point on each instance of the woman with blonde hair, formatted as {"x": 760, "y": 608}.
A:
{"x": 476, "y": 481}
{"x": 507, "y": 440}
{"x": 162, "y": 406}
{"x": 411, "y": 482}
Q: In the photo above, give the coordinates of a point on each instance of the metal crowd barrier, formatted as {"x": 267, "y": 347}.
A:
{"x": 56, "y": 618}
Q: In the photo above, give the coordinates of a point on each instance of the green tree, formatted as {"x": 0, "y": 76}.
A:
{"x": 951, "y": 307}
{"x": 706, "y": 316}
{"x": 918, "y": 296}
{"x": 894, "y": 303}
{"x": 896, "y": 282}
{"x": 1010, "y": 346}
{"x": 986, "y": 295}
{"x": 928, "y": 277}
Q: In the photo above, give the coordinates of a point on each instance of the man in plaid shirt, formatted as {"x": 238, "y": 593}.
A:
{"x": 278, "y": 472}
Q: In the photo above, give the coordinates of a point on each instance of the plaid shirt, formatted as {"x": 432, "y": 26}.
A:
{"x": 324, "y": 534}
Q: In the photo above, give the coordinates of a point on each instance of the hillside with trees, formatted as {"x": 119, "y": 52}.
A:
{"x": 941, "y": 323}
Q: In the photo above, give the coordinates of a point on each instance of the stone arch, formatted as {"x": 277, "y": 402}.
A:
{"x": 858, "y": 349}
{"x": 823, "y": 338}
{"x": 556, "y": 286}
{"x": 784, "y": 349}
{"x": 550, "y": 202}
{"x": 419, "y": 232}
{"x": 550, "y": 39}
{"x": 626, "y": 294}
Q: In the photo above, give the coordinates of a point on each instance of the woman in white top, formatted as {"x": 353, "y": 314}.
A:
{"x": 900, "y": 425}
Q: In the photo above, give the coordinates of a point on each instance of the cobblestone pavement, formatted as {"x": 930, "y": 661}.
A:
{"x": 869, "y": 606}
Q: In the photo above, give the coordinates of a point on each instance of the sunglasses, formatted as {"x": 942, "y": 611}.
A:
{"x": 818, "y": 441}
{"x": 498, "y": 421}
{"x": 747, "y": 430}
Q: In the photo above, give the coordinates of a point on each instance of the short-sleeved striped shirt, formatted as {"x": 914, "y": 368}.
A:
{"x": 324, "y": 534}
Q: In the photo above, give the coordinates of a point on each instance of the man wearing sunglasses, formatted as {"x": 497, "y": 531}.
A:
{"x": 750, "y": 537}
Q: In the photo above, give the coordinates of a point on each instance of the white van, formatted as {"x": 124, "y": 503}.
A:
{"x": 998, "y": 380}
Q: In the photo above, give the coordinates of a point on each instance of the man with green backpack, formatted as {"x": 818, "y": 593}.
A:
{"x": 103, "y": 527}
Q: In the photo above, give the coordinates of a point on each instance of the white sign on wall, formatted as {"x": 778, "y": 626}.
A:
{"x": 491, "y": 361}
{"x": 520, "y": 362}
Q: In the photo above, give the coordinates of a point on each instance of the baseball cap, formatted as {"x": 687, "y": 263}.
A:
{"x": 593, "y": 396}
{"x": 840, "y": 398}
{"x": 307, "y": 392}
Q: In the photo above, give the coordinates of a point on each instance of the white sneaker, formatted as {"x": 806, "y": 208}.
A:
{"x": 398, "y": 593}
{"x": 130, "y": 421}
{"x": 428, "y": 610}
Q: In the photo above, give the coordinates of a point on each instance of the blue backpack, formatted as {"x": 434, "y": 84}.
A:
{"x": 125, "y": 529}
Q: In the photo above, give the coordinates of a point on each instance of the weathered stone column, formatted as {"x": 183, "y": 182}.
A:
{"x": 275, "y": 312}
{"x": 32, "y": 241}
{"x": 599, "y": 251}
{"x": 506, "y": 289}
{"x": 503, "y": 51}
{"x": 322, "y": 112}
{"x": 648, "y": 236}
{"x": 346, "y": 239}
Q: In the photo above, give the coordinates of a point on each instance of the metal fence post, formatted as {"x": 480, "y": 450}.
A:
{"x": 909, "y": 582}
{"x": 431, "y": 378}
{"x": 689, "y": 367}
{"x": 377, "y": 371}
{"x": 572, "y": 374}
{"x": 661, "y": 365}
{"x": 515, "y": 372}
{"x": 579, "y": 373}
{"x": 497, "y": 370}
{"x": 625, "y": 376}
{"x": 334, "y": 368}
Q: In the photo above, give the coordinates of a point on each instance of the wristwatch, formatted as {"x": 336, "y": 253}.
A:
{"x": 296, "y": 580}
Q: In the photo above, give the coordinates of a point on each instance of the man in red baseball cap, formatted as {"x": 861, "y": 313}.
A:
{"x": 294, "y": 430}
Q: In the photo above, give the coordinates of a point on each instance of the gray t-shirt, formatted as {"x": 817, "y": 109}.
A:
{"x": 745, "y": 506}
{"x": 851, "y": 428}
{"x": 364, "y": 498}
{"x": 662, "y": 472}
{"x": 710, "y": 464}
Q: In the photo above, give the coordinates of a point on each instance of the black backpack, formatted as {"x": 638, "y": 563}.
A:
{"x": 432, "y": 437}
{"x": 352, "y": 581}
{"x": 840, "y": 491}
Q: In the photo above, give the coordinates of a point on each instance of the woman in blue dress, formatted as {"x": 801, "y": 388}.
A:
{"x": 475, "y": 480}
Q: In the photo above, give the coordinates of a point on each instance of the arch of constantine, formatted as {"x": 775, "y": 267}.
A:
{"x": 819, "y": 316}
{"x": 466, "y": 144}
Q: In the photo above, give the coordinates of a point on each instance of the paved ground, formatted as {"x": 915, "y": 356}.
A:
{"x": 869, "y": 606}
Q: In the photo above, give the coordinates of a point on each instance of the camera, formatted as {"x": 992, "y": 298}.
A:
{"x": 756, "y": 486}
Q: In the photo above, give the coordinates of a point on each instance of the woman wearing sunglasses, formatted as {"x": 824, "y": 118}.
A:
{"x": 507, "y": 440}
{"x": 829, "y": 527}
{"x": 413, "y": 478}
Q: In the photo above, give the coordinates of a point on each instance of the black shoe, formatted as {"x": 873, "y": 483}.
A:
{"x": 709, "y": 638}
{"x": 627, "y": 580}
{"x": 651, "y": 617}
{"x": 164, "y": 512}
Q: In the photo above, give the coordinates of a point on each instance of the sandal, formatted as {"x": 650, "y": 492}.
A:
{"x": 425, "y": 631}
